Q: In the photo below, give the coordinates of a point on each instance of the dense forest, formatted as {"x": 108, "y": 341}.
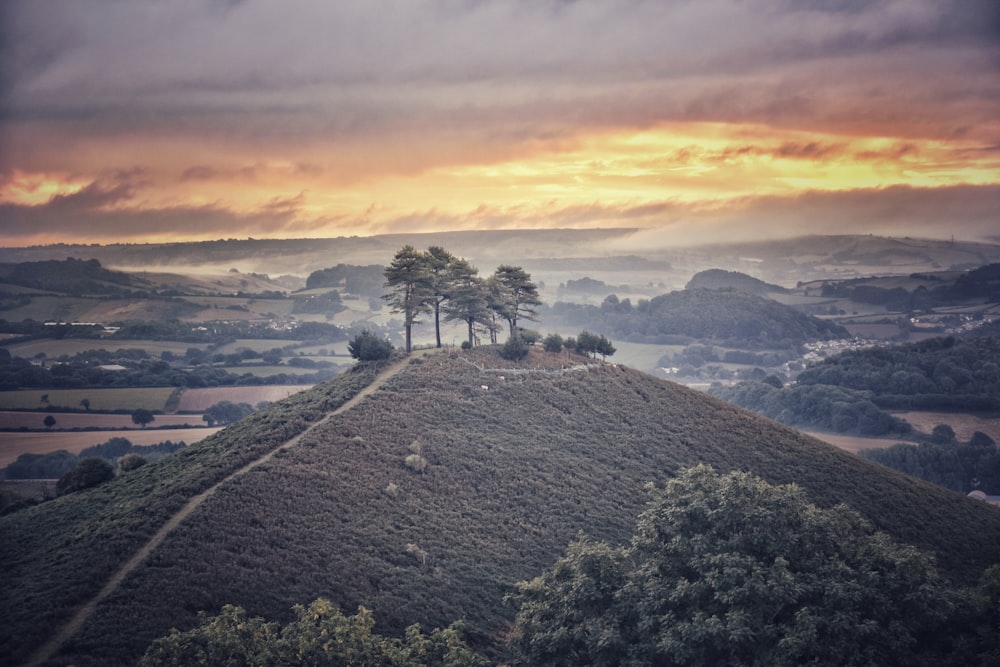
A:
{"x": 938, "y": 373}
{"x": 825, "y": 407}
{"x": 722, "y": 317}
{"x": 976, "y": 284}
{"x": 943, "y": 460}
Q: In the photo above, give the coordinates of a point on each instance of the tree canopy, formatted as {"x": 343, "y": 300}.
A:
{"x": 407, "y": 278}
{"x": 320, "y": 635}
{"x": 518, "y": 295}
{"x": 727, "y": 569}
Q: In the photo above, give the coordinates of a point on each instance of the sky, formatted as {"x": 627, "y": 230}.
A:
{"x": 698, "y": 120}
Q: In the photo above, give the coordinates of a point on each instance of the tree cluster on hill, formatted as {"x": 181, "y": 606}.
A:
{"x": 980, "y": 283}
{"x": 944, "y": 461}
{"x": 327, "y": 303}
{"x": 825, "y": 407}
{"x": 938, "y": 373}
{"x": 437, "y": 282}
{"x": 729, "y": 570}
{"x": 358, "y": 280}
{"x": 725, "y": 317}
{"x": 70, "y": 276}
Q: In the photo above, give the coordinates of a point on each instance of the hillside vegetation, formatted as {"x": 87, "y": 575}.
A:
{"x": 719, "y": 316}
{"x": 427, "y": 502}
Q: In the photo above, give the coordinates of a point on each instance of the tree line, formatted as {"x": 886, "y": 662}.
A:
{"x": 435, "y": 282}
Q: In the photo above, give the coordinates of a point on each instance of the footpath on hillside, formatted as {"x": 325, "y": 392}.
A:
{"x": 50, "y": 648}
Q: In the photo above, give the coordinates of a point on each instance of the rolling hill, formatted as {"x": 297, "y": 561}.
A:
{"x": 458, "y": 475}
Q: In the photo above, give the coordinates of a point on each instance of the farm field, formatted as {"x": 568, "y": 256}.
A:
{"x": 150, "y": 398}
{"x": 13, "y": 444}
{"x": 963, "y": 424}
{"x": 268, "y": 371}
{"x": 854, "y": 444}
{"x": 53, "y": 348}
{"x": 11, "y": 420}
{"x": 197, "y": 400}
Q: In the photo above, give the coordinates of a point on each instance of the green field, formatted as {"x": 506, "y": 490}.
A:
{"x": 150, "y": 398}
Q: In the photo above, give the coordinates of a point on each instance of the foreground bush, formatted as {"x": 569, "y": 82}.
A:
{"x": 731, "y": 570}
{"x": 320, "y": 635}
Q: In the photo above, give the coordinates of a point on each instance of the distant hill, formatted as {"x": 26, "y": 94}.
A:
{"x": 722, "y": 279}
{"x": 720, "y": 316}
{"x": 455, "y": 478}
{"x": 69, "y": 276}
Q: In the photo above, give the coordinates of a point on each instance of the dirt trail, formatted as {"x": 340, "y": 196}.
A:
{"x": 50, "y": 648}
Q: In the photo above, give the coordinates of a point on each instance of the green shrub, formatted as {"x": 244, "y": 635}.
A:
{"x": 366, "y": 346}
{"x": 90, "y": 472}
{"x": 515, "y": 348}
{"x": 553, "y": 343}
{"x": 130, "y": 462}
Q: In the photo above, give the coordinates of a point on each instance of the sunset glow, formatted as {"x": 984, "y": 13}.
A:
{"x": 189, "y": 120}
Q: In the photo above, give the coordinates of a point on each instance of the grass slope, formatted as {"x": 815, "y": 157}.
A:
{"x": 59, "y": 554}
{"x": 518, "y": 461}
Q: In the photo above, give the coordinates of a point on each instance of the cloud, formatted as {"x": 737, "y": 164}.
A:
{"x": 967, "y": 212}
{"x": 298, "y": 102}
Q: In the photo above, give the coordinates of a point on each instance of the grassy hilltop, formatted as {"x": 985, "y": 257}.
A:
{"x": 426, "y": 502}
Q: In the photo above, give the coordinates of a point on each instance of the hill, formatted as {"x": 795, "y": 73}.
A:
{"x": 427, "y": 501}
{"x": 722, "y": 279}
{"x": 70, "y": 276}
{"x": 719, "y": 316}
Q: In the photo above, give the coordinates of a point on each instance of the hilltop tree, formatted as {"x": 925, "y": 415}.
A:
{"x": 593, "y": 345}
{"x": 469, "y": 300}
{"x": 49, "y": 421}
{"x": 407, "y": 279}
{"x": 142, "y": 417}
{"x": 440, "y": 284}
{"x": 518, "y": 296}
{"x": 727, "y": 569}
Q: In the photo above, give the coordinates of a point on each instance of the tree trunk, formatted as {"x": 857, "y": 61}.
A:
{"x": 472, "y": 341}
{"x": 408, "y": 326}
{"x": 437, "y": 321}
